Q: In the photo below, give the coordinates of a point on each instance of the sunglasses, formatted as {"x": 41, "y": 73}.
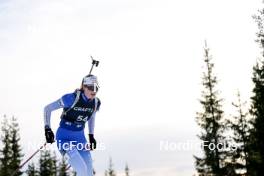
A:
{"x": 93, "y": 88}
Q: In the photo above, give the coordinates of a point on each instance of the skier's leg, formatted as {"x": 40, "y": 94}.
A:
{"x": 77, "y": 162}
{"x": 86, "y": 155}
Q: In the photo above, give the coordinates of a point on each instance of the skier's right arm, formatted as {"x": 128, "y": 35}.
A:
{"x": 48, "y": 109}
{"x": 47, "y": 113}
{"x": 64, "y": 102}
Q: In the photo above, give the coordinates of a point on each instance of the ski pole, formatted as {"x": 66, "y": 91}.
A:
{"x": 29, "y": 159}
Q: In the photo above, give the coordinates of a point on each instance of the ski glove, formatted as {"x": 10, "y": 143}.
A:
{"x": 92, "y": 142}
{"x": 49, "y": 135}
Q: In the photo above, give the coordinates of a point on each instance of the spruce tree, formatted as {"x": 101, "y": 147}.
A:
{"x": 210, "y": 119}
{"x": 55, "y": 161}
{"x": 127, "y": 170}
{"x": 240, "y": 127}
{"x": 32, "y": 171}
{"x": 47, "y": 164}
{"x": 110, "y": 171}
{"x": 63, "y": 169}
{"x": 256, "y": 152}
{"x": 74, "y": 173}
{"x": 16, "y": 156}
{"x": 6, "y": 151}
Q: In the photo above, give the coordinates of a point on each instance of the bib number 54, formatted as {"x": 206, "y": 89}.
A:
{"x": 81, "y": 118}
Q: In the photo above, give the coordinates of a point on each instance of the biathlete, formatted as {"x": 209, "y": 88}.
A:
{"x": 79, "y": 107}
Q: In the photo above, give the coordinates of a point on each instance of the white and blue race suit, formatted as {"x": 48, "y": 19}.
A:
{"x": 77, "y": 110}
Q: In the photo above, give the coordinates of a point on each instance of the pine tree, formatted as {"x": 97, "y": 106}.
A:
{"x": 240, "y": 127}
{"x": 110, "y": 171}
{"x": 47, "y": 164}
{"x": 211, "y": 122}
{"x": 32, "y": 171}
{"x": 256, "y": 152}
{"x": 16, "y": 149}
{"x": 6, "y": 151}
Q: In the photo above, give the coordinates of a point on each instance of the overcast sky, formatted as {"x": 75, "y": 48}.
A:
{"x": 151, "y": 63}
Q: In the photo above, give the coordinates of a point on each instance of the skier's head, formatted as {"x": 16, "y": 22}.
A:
{"x": 90, "y": 86}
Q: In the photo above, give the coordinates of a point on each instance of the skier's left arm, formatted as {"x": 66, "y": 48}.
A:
{"x": 91, "y": 121}
{"x": 91, "y": 127}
